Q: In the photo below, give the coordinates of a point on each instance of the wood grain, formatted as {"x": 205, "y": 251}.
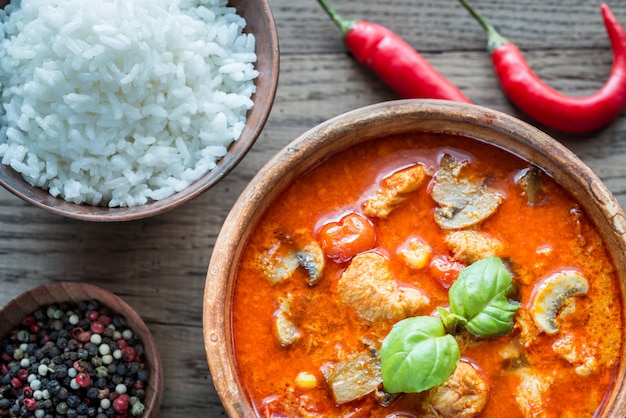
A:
{"x": 158, "y": 265}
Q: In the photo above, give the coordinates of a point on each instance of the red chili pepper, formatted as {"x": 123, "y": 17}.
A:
{"x": 548, "y": 106}
{"x": 394, "y": 60}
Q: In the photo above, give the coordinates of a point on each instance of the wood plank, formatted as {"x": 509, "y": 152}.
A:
{"x": 158, "y": 265}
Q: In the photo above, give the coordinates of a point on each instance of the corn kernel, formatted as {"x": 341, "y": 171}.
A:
{"x": 306, "y": 380}
{"x": 417, "y": 254}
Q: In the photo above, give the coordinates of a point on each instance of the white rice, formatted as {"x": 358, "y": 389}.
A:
{"x": 121, "y": 102}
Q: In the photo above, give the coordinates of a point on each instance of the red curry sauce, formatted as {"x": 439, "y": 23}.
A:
{"x": 537, "y": 240}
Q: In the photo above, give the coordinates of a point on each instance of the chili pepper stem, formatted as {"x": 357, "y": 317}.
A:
{"x": 344, "y": 24}
{"x": 494, "y": 39}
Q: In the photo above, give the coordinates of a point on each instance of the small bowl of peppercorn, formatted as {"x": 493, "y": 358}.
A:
{"x": 73, "y": 349}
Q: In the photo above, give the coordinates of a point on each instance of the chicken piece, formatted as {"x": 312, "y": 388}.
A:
{"x": 528, "y": 330}
{"x": 530, "y": 391}
{"x": 284, "y": 329}
{"x": 285, "y": 255}
{"x": 353, "y": 378}
{"x": 394, "y": 190}
{"x": 462, "y": 203}
{"x": 469, "y": 246}
{"x": 368, "y": 286}
{"x": 463, "y": 395}
{"x": 585, "y": 363}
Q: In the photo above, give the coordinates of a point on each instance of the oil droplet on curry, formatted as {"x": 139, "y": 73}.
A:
{"x": 378, "y": 233}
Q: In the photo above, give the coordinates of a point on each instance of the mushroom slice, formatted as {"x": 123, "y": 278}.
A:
{"x": 311, "y": 258}
{"x": 394, "y": 190}
{"x": 284, "y": 329}
{"x": 531, "y": 184}
{"x": 354, "y": 377}
{"x": 276, "y": 263}
{"x": 552, "y": 293}
{"x": 309, "y": 255}
{"x": 462, "y": 203}
{"x": 286, "y": 255}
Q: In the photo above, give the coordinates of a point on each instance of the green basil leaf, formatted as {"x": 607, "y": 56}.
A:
{"x": 451, "y": 322}
{"x": 480, "y": 296}
{"x": 418, "y": 355}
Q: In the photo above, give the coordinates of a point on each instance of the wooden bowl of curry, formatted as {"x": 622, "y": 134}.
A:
{"x": 420, "y": 258}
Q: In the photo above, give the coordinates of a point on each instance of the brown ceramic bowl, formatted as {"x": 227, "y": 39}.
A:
{"x": 18, "y": 308}
{"x": 361, "y": 125}
{"x": 260, "y": 22}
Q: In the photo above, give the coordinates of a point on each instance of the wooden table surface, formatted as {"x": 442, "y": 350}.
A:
{"x": 159, "y": 265}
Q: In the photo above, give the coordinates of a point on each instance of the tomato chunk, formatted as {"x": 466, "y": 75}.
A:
{"x": 445, "y": 270}
{"x": 344, "y": 239}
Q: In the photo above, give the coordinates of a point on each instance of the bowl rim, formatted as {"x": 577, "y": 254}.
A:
{"x": 259, "y": 114}
{"x": 264, "y": 187}
{"x": 75, "y": 292}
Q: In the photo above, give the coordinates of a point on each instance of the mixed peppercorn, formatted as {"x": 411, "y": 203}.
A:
{"x": 72, "y": 361}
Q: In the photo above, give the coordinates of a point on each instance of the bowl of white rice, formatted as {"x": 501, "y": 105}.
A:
{"x": 119, "y": 110}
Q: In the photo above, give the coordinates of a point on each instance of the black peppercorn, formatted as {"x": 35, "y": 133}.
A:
{"x": 128, "y": 381}
{"x": 57, "y": 360}
{"x": 121, "y": 369}
{"x": 63, "y": 393}
{"x": 93, "y": 305}
{"x": 143, "y": 375}
{"x": 73, "y": 401}
{"x": 134, "y": 367}
{"x": 92, "y": 392}
{"x": 47, "y": 404}
{"x": 101, "y": 383}
{"x": 6, "y": 379}
{"x": 82, "y": 409}
{"x": 72, "y": 344}
{"x": 83, "y": 354}
{"x": 34, "y": 367}
{"x": 92, "y": 349}
{"x": 5, "y": 404}
{"x": 61, "y": 343}
{"x": 39, "y": 315}
{"x": 14, "y": 368}
{"x": 53, "y": 387}
{"x": 54, "y": 351}
{"x": 118, "y": 321}
{"x": 111, "y": 369}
